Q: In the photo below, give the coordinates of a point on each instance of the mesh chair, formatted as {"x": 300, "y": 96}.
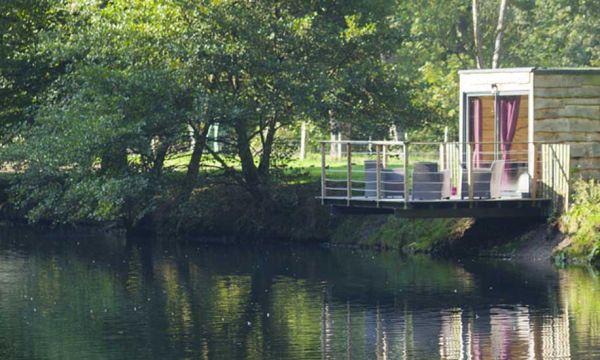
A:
{"x": 429, "y": 183}
{"x": 392, "y": 181}
{"x": 486, "y": 181}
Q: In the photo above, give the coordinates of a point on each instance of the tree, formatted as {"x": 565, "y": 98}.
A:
{"x": 101, "y": 137}
{"x": 25, "y": 70}
{"x": 270, "y": 64}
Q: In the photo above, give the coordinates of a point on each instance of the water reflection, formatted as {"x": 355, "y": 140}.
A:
{"x": 95, "y": 297}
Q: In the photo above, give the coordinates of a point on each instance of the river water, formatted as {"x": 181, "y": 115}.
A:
{"x": 67, "y": 296}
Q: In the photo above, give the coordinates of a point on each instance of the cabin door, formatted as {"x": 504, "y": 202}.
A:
{"x": 498, "y": 128}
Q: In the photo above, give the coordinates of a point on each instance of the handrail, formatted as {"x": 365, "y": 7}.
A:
{"x": 391, "y": 142}
{"x": 392, "y": 175}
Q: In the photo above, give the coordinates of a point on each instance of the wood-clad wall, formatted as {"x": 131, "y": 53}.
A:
{"x": 487, "y": 130}
{"x": 567, "y": 110}
{"x": 519, "y": 147}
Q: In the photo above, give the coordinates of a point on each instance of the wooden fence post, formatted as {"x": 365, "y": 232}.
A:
{"x": 303, "y": 141}
{"x": 406, "y": 195}
{"x": 378, "y": 173}
{"x": 349, "y": 171}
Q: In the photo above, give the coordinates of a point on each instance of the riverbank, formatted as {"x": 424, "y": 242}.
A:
{"x": 292, "y": 214}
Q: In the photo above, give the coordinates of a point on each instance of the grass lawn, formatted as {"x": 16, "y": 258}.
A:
{"x": 309, "y": 170}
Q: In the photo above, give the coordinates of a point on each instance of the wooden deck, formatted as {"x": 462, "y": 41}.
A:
{"x": 452, "y": 208}
{"x": 443, "y": 180}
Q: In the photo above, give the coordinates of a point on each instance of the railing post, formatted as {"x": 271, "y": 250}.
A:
{"x": 323, "y": 181}
{"x": 378, "y": 173}
{"x": 349, "y": 171}
{"x": 534, "y": 180}
{"x": 441, "y": 161}
{"x": 567, "y": 167}
{"x": 406, "y": 196}
{"x": 553, "y": 189}
{"x": 470, "y": 171}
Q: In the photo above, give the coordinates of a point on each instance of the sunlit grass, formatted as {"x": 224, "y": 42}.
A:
{"x": 303, "y": 171}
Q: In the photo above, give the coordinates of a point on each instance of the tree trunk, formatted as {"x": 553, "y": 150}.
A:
{"x": 499, "y": 34}
{"x": 193, "y": 168}
{"x": 114, "y": 162}
{"x": 159, "y": 157}
{"x": 249, "y": 170}
{"x": 477, "y": 35}
{"x": 265, "y": 159}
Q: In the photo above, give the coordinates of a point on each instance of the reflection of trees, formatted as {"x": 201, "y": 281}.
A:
{"x": 177, "y": 307}
{"x": 56, "y": 309}
{"x": 298, "y": 304}
{"x": 579, "y": 289}
{"x": 299, "y": 317}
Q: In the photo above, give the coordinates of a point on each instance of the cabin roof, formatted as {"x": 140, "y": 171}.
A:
{"x": 536, "y": 70}
{"x": 582, "y": 70}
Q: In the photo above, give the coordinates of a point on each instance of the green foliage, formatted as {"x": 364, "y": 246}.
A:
{"x": 408, "y": 235}
{"x": 582, "y": 221}
{"x": 26, "y": 70}
{"x": 548, "y": 33}
{"x": 554, "y": 33}
{"x": 291, "y": 214}
{"x": 83, "y": 199}
{"x": 74, "y": 157}
{"x": 96, "y": 96}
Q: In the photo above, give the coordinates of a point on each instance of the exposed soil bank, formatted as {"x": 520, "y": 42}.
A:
{"x": 510, "y": 238}
{"x": 524, "y": 239}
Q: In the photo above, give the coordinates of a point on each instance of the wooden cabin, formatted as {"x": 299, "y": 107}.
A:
{"x": 524, "y": 106}
{"x": 523, "y": 134}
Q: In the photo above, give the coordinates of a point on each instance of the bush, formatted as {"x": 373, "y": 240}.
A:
{"x": 67, "y": 198}
{"x": 289, "y": 212}
{"x": 582, "y": 221}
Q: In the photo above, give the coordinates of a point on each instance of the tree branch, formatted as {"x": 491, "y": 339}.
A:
{"x": 499, "y": 34}
{"x": 477, "y": 35}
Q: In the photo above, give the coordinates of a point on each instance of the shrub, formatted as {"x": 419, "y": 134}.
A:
{"x": 582, "y": 220}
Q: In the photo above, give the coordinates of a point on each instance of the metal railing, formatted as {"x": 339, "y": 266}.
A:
{"x": 384, "y": 171}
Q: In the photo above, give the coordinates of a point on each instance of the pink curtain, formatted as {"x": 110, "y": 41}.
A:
{"x": 475, "y": 120}
{"x": 508, "y": 111}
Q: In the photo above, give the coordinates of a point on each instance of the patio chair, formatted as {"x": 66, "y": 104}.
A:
{"x": 486, "y": 181}
{"x": 429, "y": 183}
{"x": 497, "y": 169}
{"x": 392, "y": 181}
{"x": 370, "y": 178}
